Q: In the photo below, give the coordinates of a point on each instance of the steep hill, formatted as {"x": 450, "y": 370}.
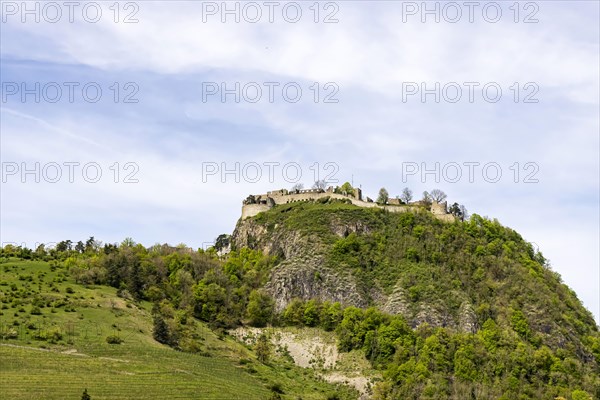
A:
{"x": 460, "y": 275}
{"x": 433, "y": 309}
{"x": 445, "y": 274}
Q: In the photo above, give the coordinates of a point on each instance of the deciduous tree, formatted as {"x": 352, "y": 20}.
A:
{"x": 438, "y": 195}
{"x": 383, "y": 196}
{"x": 406, "y": 195}
{"x": 260, "y": 308}
{"x": 320, "y": 184}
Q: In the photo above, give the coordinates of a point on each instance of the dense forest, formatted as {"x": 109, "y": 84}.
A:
{"x": 531, "y": 337}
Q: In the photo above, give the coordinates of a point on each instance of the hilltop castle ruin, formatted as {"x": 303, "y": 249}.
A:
{"x": 255, "y": 204}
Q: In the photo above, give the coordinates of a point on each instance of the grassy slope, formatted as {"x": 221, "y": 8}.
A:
{"x": 35, "y": 365}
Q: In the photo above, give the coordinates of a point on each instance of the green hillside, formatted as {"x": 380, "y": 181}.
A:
{"x": 488, "y": 318}
{"x": 54, "y": 345}
{"x": 440, "y": 310}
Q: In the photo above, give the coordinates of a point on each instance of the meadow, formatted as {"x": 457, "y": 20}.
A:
{"x": 54, "y": 343}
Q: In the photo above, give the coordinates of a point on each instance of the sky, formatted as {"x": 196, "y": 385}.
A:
{"x": 155, "y": 119}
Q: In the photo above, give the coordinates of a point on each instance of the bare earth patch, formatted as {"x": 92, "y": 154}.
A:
{"x": 315, "y": 349}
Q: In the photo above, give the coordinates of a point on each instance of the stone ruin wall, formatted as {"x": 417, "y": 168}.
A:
{"x": 250, "y": 210}
{"x": 283, "y": 197}
{"x": 439, "y": 208}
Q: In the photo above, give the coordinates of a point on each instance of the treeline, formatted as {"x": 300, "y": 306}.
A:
{"x": 181, "y": 282}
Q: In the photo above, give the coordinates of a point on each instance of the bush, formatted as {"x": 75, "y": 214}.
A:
{"x": 113, "y": 339}
{"x": 190, "y": 346}
{"x": 8, "y": 334}
{"x": 276, "y": 388}
{"x": 53, "y": 335}
{"x": 263, "y": 348}
{"x": 580, "y": 395}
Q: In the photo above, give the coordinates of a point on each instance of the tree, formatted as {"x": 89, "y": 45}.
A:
{"x": 520, "y": 324}
{"x": 383, "y": 197}
{"x": 263, "y": 348}
{"x": 464, "y": 362}
{"x": 222, "y": 241}
{"x": 79, "y": 247}
{"x": 127, "y": 242}
{"x": 426, "y": 199}
{"x": 464, "y": 213}
{"x": 135, "y": 284}
{"x": 331, "y": 315}
{"x": 85, "y": 395}
{"x": 320, "y": 184}
{"x": 210, "y": 301}
{"x": 406, "y": 195}
{"x": 311, "y": 313}
{"x": 40, "y": 252}
{"x": 65, "y": 245}
{"x": 260, "y": 308}
{"x": 297, "y": 187}
{"x": 294, "y": 312}
{"x": 455, "y": 210}
{"x": 110, "y": 248}
{"x": 161, "y": 330}
{"x": 91, "y": 244}
{"x": 437, "y": 195}
{"x": 459, "y": 211}
{"x": 346, "y": 189}
{"x": 184, "y": 282}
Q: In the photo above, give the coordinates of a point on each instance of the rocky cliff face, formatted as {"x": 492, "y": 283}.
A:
{"x": 454, "y": 275}
{"x": 302, "y": 272}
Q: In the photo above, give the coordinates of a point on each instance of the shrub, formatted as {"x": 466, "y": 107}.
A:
{"x": 53, "y": 335}
{"x": 263, "y": 348}
{"x": 580, "y": 395}
{"x": 113, "y": 339}
{"x": 8, "y": 334}
{"x": 276, "y": 387}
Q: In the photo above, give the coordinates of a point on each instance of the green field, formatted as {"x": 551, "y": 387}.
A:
{"x": 53, "y": 345}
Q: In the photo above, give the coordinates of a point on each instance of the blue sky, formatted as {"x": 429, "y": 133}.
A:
{"x": 368, "y": 57}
